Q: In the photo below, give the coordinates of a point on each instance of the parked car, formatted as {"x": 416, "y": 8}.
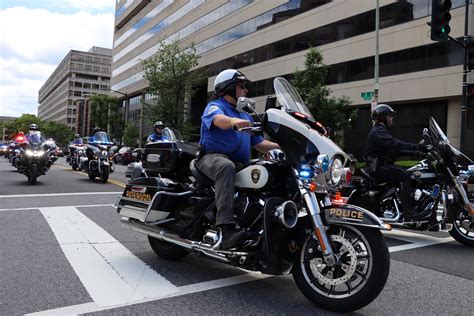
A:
{"x": 124, "y": 155}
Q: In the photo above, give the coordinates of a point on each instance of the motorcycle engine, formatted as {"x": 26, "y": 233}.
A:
{"x": 246, "y": 209}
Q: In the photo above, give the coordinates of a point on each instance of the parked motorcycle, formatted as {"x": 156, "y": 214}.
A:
{"x": 97, "y": 161}
{"x": 336, "y": 253}
{"x": 33, "y": 160}
{"x": 439, "y": 191}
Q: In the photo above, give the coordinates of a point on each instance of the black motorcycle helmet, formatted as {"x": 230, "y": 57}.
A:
{"x": 227, "y": 80}
{"x": 77, "y": 136}
{"x": 97, "y": 129}
{"x": 381, "y": 112}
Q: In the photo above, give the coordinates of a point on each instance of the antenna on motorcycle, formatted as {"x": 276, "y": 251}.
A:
{"x": 247, "y": 105}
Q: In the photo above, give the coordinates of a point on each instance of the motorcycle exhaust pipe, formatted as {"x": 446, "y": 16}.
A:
{"x": 287, "y": 214}
{"x": 185, "y": 243}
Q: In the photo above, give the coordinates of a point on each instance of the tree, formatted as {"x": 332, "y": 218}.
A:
{"x": 170, "y": 81}
{"x": 61, "y": 134}
{"x": 130, "y": 134}
{"x": 335, "y": 113}
{"x": 105, "y": 114}
{"x": 22, "y": 124}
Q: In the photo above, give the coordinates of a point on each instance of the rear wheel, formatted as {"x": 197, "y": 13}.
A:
{"x": 355, "y": 280}
{"x": 463, "y": 228}
{"x": 167, "y": 250}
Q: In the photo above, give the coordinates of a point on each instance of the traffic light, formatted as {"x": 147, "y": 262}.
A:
{"x": 440, "y": 18}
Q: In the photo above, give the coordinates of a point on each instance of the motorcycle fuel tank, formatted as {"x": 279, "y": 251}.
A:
{"x": 251, "y": 177}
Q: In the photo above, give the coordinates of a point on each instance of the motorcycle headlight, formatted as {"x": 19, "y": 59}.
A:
{"x": 29, "y": 153}
{"x": 104, "y": 153}
{"x": 40, "y": 153}
{"x": 80, "y": 152}
{"x": 335, "y": 170}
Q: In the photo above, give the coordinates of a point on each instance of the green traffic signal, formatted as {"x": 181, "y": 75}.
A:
{"x": 440, "y": 18}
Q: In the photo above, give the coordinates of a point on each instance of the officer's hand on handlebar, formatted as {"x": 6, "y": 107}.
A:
{"x": 239, "y": 124}
{"x": 424, "y": 148}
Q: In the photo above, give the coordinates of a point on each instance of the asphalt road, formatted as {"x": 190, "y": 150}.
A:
{"x": 64, "y": 251}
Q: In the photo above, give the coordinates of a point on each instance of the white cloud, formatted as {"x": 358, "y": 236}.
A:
{"x": 89, "y": 4}
{"x": 34, "y": 41}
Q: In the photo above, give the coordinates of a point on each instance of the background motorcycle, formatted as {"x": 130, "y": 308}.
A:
{"x": 97, "y": 161}
{"x": 438, "y": 190}
{"x": 337, "y": 255}
{"x": 34, "y": 159}
{"x": 76, "y": 151}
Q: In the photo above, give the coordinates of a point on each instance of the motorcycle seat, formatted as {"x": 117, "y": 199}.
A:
{"x": 199, "y": 176}
{"x": 374, "y": 181}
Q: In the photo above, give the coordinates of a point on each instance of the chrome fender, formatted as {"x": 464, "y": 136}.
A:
{"x": 352, "y": 215}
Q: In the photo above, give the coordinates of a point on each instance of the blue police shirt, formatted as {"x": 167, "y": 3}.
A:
{"x": 154, "y": 137}
{"x": 237, "y": 145}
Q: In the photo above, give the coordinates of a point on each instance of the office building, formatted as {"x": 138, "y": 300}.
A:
{"x": 265, "y": 39}
{"x": 79, "y": 75}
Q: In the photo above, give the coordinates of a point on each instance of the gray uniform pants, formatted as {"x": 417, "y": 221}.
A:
{"x": 221, "y": 170}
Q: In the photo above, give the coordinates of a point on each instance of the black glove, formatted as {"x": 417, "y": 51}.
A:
{"x": 423, "y": 148}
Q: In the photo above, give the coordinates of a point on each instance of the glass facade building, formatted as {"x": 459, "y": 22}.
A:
{"x": 265, "y": 39}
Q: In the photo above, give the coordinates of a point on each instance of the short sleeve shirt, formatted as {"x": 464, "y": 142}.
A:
{"x": 237, "y": 145}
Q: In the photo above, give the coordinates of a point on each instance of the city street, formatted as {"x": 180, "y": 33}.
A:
{"x": 64, "y": 251}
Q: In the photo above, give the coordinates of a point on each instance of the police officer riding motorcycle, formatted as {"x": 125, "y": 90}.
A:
{"x": 34, "y": 159}
{"x": 97, "y": 161}
{"x": 157, "y": 134}
{"x": 76, "y": 150}
{"x": 271, "y": 214}
{"x": 428, "y": 196}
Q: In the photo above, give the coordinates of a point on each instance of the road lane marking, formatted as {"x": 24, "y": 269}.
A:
{"x": 58, "y": 194}
{"x": 37, "y": 208}
{"x": 414, "y": 238}
{"x": 120, "y": 184}
{"x": 111, "y": 274}
{"x": 183, "y": 290}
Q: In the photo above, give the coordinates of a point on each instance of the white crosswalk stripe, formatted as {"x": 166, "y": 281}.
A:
{"x": 111, "y": 274}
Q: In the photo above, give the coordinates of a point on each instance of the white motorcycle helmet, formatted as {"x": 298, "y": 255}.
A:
{"x": 226, "y": 81}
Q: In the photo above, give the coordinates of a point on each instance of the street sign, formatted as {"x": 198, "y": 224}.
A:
{"x": 367, "y": 96}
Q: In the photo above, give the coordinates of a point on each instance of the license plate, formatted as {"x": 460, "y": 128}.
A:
{"x": 153, "y": 158}
{"x": 144, "y": 197}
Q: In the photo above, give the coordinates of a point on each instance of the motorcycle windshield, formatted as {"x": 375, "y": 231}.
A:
{"x": 35, "y": 138}
{"x": 438, "y": 135}
{"x": 288, "y": 97}
{"x": 100, "y": 138}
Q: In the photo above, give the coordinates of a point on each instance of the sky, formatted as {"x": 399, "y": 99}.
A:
{"x": 36, "y": 35}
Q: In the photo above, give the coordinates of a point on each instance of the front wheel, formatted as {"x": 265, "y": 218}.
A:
{"x": 33, "y": 174}
{"x": 167, "y": 250}
{"x": 355, "y": 280}
{"x": 463, "y": 228}
{"x": 104, "y": 174}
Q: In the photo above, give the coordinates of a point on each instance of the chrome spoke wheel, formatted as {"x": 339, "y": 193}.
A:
{"x": 349, "y": 274}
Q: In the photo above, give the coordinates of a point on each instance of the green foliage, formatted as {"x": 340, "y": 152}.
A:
{"x": 130, "y": 134}
{"x": 170, "y": 79}
{"x": 59, "y": 132}
{"x": 105, "y": 114}
{"x": 335, "y": 113}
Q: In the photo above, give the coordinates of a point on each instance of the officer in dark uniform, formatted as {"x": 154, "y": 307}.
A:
{"x": 380, "y": 153}
{"x": 157, "y": 134}
{"x": 77, "y": 140}
{"x": 224, "y": 146}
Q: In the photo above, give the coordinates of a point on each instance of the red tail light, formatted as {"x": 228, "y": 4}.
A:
{"x": 300, "y": 115}
{"x": 337, "y": 198}
{"x": 20, "y": 138}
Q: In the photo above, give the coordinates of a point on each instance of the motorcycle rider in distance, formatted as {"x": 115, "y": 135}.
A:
{"x": 380, "y": 152}
{"x": 222, "y": 147}
{"x": 77, "y": 140}
{"x": 157, "y": 133}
